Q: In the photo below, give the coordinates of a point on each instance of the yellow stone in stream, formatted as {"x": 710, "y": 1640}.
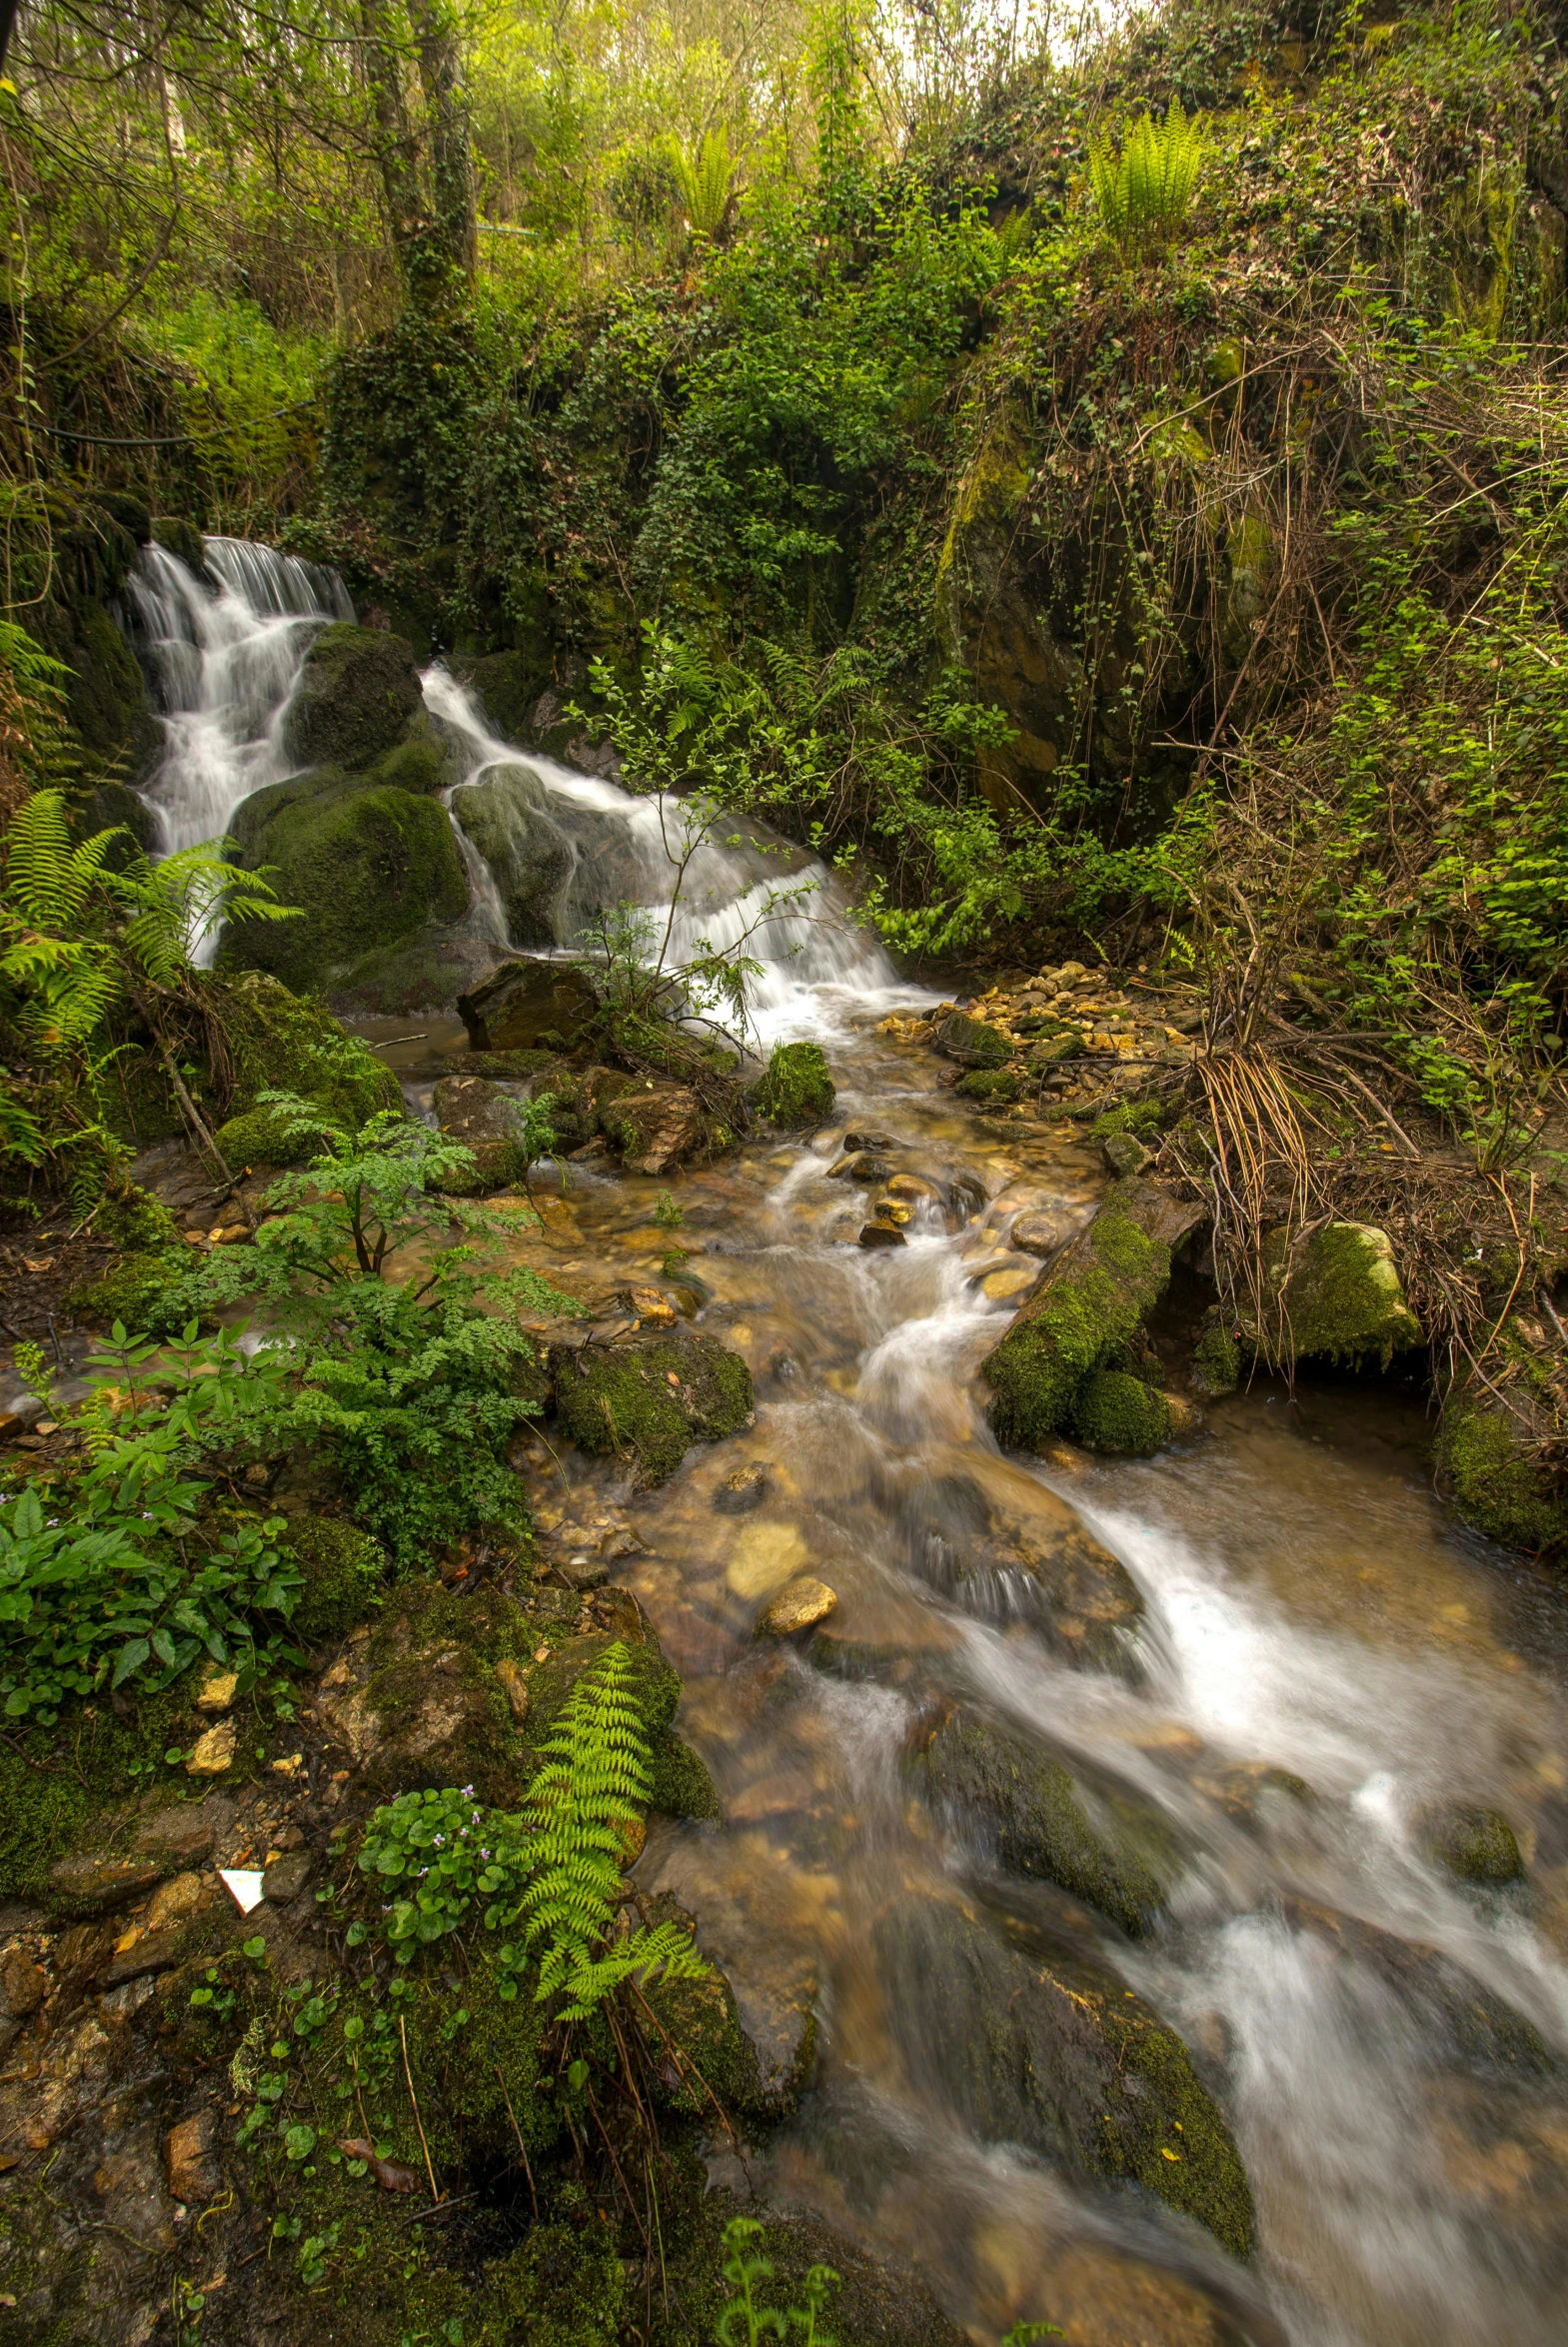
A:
{"x": 1004, "y": 1283}
{"x": 765, "y": 1556}
{"x": 799, "y": 1606}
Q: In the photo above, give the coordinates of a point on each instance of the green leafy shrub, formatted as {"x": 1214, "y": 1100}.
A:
{"x": 1144, "y": 191}
{"x": 437, "y": 1853}
{"x": 133, "y": 1575}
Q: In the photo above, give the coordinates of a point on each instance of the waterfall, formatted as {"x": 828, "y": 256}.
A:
{"x": 225, "y": 656}
{"x": 226, "y": 649}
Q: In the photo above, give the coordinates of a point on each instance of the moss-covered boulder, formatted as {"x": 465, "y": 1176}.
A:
{"x": 359, "y": 689}
{"x": 279, "y": 1043}
{"x": 1498, "y": 1441}
{"x": 1100, "y": 1843}
{"x": 1085, "y": 1309}
{"x": 1336, "y": 1295}
{"x": 344, "y": 1571}
{"x": 261, "y": 1137}
{"x": 1474, "y": 1845}
{"x": 797, "y": 1088}
{"x": 1059, "y": 2057}
{"x": 367, "y": 866}
{"x": 526, "y": 1002}
{"x": 1119, "y": 1415}
{"x": 650, "y": 1396}
{"x": 509, "y": 818}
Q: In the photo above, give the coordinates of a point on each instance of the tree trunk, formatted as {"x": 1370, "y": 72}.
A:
{"x": 396, "y": 154}
{"x": 453, "y": 231}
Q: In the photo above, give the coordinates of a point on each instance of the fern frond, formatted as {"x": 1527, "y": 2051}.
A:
{"x": 1144, "y": 194}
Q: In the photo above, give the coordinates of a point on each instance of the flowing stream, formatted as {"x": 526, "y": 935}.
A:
{"x": 1320, "y": 1654}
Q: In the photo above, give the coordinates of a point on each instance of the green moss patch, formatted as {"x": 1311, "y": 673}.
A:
{"x": 1090, "y": 1306}
{"x": 344, "y": 1571}
{"x": 1119, "y": 1415}
{"x": 651, "y": 1397}
{"x": 989, "y": 1084}
{"x": 1339, "y": 1297}
{"x": 1502, "y": 1483}
{"x": 797, "y": 1089}
{"x": 357, "y": 692}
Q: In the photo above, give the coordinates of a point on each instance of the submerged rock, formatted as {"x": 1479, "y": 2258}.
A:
{"x": 1085, "y": 1309}
{"x": 1038, "y": 1562}
{"x": 650, "y": 1395}
{"x": 1101, "y": 1844}
{"x": 1458, "y": 2018}
{"x": 526, "y": 1003}
{"x": 1057, "y": 2058}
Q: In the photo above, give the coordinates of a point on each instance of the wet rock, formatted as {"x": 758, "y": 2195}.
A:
{"x": 94, "y": 1884}
{"x": 1100, "y": 1843}
{"x": 1458, "y": 2019}
{"x": 1039, "y": 1561}
{"x": 650, "y": 1395}
{"x": 357, "y": 692}
{"x": 526, "y": 1003}
{"x": 417, "y": 1705}
{"x": 971, "y": 1043}
{"x": 513, "y": 1680}
{"x": 175, "y": 1901}
{"x": 998, "y": 1086}
{"x": 881, "y": 1235}
{"x": 799, "y": 1605}
{"x": 857, "y": 1139}
{"x": 22, "y": 1984}
{"x": 1125, "y": 1154}
{"x": 758, "y": 2066}
{"x": 150, "y": 1952}
{"x": 742, "y": 1491}
{"x": 476, "y": 1113}
{"x": 1474, "y": 1845}
{"x": 1087, "y": 1306}
{"x": 655, "y": 1128}
{"x": 510, "y": 817}
{"x": 797, "y": 1089}
{"x": 190, "y": 2153}
{"x": 1057, "y": 2058}
{"x": 1036, "y": 1234}
{"x": 1337, "y": 1295}
{"x": 213, "y": 1751}
{"x": 1120, "y": 1415}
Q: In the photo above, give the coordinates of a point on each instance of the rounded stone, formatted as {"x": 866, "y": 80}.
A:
{"x": 799, "y": 1606}
{"x": 1474, "y": 1845}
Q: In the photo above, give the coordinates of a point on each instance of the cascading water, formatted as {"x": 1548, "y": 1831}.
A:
{"x": 1319, "y": 1657}
{"x": 226, "y": 657}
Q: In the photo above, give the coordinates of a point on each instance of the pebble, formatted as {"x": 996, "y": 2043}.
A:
{"x": 803, "y": 1602}
{"x": 214, "y": 1752}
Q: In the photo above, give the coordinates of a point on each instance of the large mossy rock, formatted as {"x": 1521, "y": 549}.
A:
{"x": 367, "y": 866}
{"x": 1118, "y": 1415}
{"x": 1057, "y": 2058}
{"x": 650, "y": 1395}
{"x": 359, "y": 689}
{"x": 1085, "y": 1309}
{"x": 1098, "y": 1842}
{"x": 507, "y": 818}
{"x": 526, "y": 1002}
{"x": 476, "y": 1113}
{"x": 280, "y": 1044}
{"x": 1335, "y": 1297}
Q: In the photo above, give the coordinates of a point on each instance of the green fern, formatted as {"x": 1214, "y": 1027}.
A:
{"x": 1145, "y": 193}
{"x": 594, "y": 1783}
{"x": 703, "y": 180}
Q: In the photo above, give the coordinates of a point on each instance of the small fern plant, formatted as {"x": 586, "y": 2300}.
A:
{"x": 704, "y": 180}
{"x": 1144, "y": 192}
{"x": 592, "y": 1786}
